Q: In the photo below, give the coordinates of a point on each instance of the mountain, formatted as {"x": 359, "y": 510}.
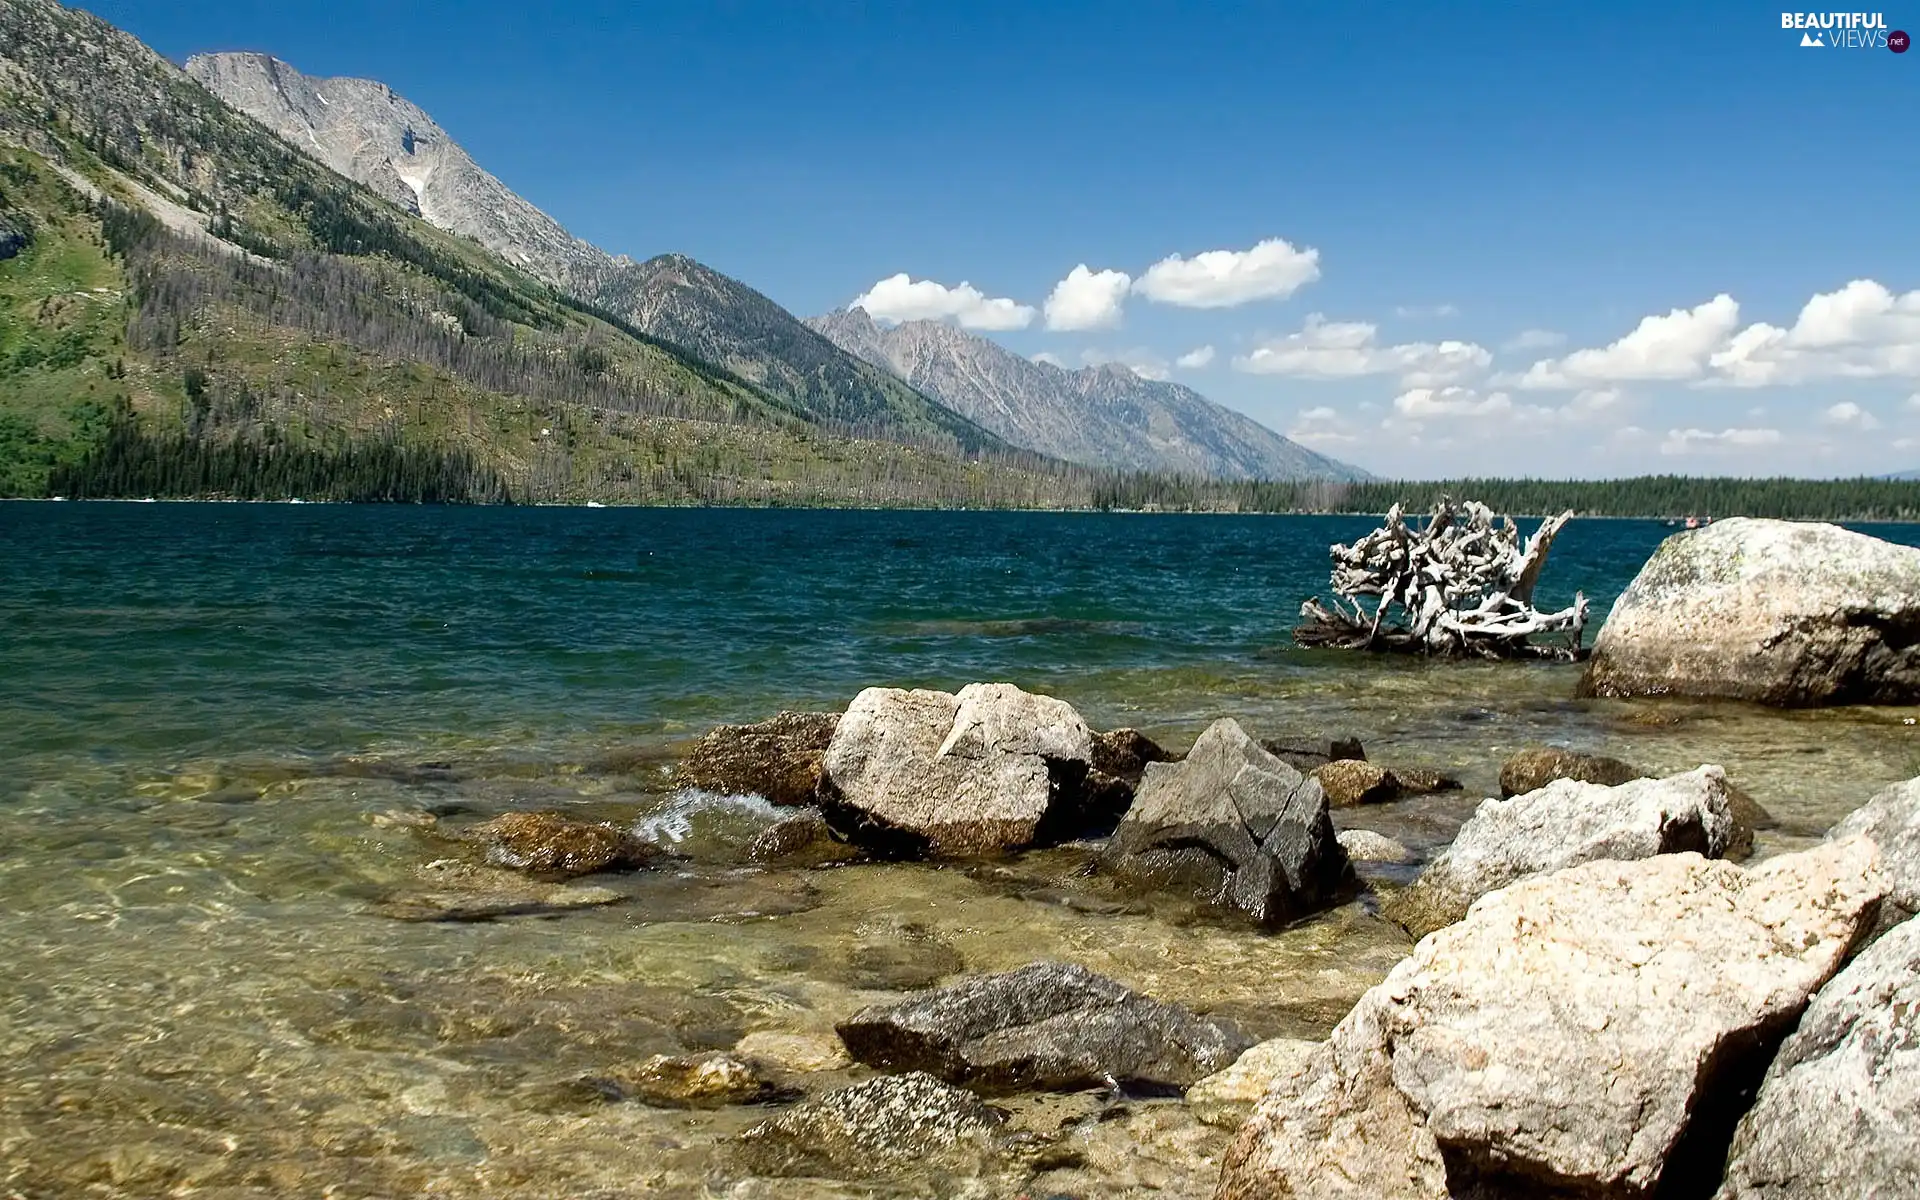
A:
{"x": 1100, "y": 416}
{"x": 370, "y": 134}
{"x": 189, "y": 307}
{"x": 366, "y": 132}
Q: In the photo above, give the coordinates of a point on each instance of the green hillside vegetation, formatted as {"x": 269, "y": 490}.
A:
{"x": 311, "y": 320}
{"x": 1654, "y": 496}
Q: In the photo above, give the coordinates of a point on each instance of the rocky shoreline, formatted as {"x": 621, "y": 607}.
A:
{"x": 1598, "y": 995}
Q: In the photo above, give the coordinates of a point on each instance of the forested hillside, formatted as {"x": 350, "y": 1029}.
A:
{"x": 188, "y": 307}
{"x": 1655, "y": 496}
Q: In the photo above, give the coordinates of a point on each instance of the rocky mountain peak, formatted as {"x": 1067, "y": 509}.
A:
{"x": 1105, "y": 415}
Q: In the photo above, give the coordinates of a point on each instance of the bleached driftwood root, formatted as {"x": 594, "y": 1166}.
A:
{"x": 1463, "y": 585}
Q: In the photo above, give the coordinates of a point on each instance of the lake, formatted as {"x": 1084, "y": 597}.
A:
{"x": 226, "y": 731}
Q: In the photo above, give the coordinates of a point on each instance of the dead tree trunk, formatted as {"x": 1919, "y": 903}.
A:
{"x": 1463, "y": 586}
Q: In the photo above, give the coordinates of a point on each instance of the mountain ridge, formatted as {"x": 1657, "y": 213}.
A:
{"x": 1106, "y": 415}
{"x": 368, "y": 132}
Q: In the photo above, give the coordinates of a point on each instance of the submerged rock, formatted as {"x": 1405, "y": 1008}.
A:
{"x": 1233, "y": 826}
{"x": 1307, "y": 753}
{"x": 1587, "y": 1033}
{"x": 803, "y": 1053}
{"x": 1365, "y": 846}
{"x": 1892, "y": 820}
{"x": 455, "y": 892}
{"x": 896, "y": 1124}
{"x": 805, "y": 839}
{"x": 1535, "y": 767}
{"x": 992, "y": 768}
{"x": 1351, "y": 781}
{"x": 1044, "y": 1027}
{"x": 1227, "y": 1098}
{"x": 1835, "y": 1114}
{"x": 1561, "y": 825}
{"x": 544, "y": 843}
{"x": 779, "y": 759}
{"x": 1779, "y": 612}
{"x": 711, "y": 1080}
{"x": 898, "y": 956}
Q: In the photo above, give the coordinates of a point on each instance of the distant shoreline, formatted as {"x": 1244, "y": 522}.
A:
{"x": 584, "y": 505}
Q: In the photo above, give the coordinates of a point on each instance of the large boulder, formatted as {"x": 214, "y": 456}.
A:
{"x": 1045, "y": 1027}
{"x": 1835, "y": 1115}
{"x": 1563, "y": 824}
{"x": 778, "y": 759}
{"x": 894, "y": 1125}
{"x": 1535, "y": 767}
{"x": 1778, "y": 612}
{"x": 1892, "y": 820}
{"x": 923, "y": 772}
{"x": 1234, "y": 826}
{"x": 1589, "y": 1033}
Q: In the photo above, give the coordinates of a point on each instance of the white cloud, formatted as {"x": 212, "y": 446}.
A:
{"x": 901, "y": 298}
{"x": 1534, "y": 339}
{"x": 1144, "y": 363}
{"x": 1088, "y": 299}
{"x": 1418, "y": 311}
{"x": 1050, "y": 358}
{"x": 1675, "y": 346}
{"x": 1848, "y": 415}
{"x": 1913, "y": 401}
{"x": 1195, "y": 359}
{"x": 1326, "y": 349}
{"x": 1701, "y": 441}
{"x": 1273, "y": 269}
{"x": 1322, "y": 413}
{"x": 1861, "y": 331}
{"x": 1426, "y": 402}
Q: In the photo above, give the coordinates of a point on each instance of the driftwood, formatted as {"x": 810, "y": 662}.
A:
{"x": 1463, "y": 585}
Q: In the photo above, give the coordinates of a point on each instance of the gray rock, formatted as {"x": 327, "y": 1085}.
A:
{"x": 893, "y": 1125}
{"x": 1581, "y": 1034}
{"x": 1835, "y": 1115}
{"x": 1535, "y": 767}
{"x": 992, "y": 768}
{"x": 1308, "y": 753}
{"x": 1044, "y": 1027}
{"x": 1563, "y": 824}
{"x": 1233, "y": 826}
{"x": 1778, "y": 612}
{"x": 1892, "y": 820}
{"x": 778, "y": 759}
{"x": 1365, "y": 846}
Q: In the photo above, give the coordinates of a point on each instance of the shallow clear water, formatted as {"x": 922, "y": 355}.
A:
{"x": 220, "y": 725}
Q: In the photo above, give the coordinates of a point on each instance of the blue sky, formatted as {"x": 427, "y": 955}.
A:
{"x": 1466, "y": 208}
